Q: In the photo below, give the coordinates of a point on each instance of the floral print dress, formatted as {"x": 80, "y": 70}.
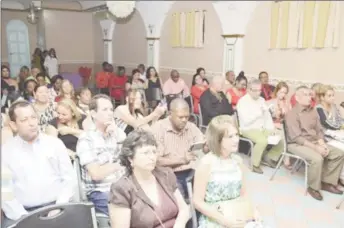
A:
{"x": 224, "y": 184}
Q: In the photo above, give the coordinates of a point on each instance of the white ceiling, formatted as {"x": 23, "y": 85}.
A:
{"x": 22, "y": 4}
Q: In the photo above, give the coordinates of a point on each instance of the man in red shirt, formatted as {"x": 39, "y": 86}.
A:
{"x": 117, "y": 84}
{"x": 102, "y": 78}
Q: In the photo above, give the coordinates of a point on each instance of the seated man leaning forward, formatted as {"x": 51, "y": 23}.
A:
{"x": 257, "y": 125}
{"x": 98, "y": 151}
{"x": 41, "y": 172}
{"x": 175, "y": 135}
{"x": 306, "y": 139}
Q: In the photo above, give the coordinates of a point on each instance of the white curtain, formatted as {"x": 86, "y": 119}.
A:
{"x": 333, "y": 28}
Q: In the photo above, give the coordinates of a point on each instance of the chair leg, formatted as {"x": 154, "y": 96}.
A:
{"x": 306, "y": 179}
{"x": 295, "y": 166}
{"x": 277, "y": 167}
{"x": 340, "y": 203}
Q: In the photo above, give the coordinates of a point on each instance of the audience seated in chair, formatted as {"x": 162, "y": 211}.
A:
{"x": 132, "y": 114}
{"x": 306, "y": 139}
{"x": 67, "y": 91}
{"x": 237, "y": 91}
{"x": 44, "y": 174}
{"x": 331, "y": 119}
{"x": 98, "y": 152}
{"x": 44, "y": 107}
{"x": 68, "y": 125}
{"x": 175, "y": 85}
{"x": 142, "y": 71}
{"x": 154, "y": 87}
{"x": 84, "y": 96}
{"x": 229, "y": 79}
{"x": 147, "y": 195}
{"x": 219, "y": 182}
{"x": 175, "y": 135}
{"x": 315, "y": 90}
{"x": 214, "y": 102}
{"x": 267, "y": 89}
{"x": 279, "y": 106}
{"x": 55, "y": 88}
{"x": 201, "y": 72}
{"x": 197, "y": 89}
{"x": 256, "y": 124}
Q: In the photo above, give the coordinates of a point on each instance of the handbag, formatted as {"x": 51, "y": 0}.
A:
{"x": 237, "y": 209}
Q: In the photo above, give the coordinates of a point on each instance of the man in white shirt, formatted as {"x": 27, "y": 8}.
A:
{"x": 257, "y": 125}
{"x": 98, "y": 152}
{"x": 41, "y": 171}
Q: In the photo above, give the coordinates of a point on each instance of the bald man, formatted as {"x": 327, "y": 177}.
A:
{"x": 306, "y": 139}
{"x": 175, "y": 85}
{"x": 175, "y": 135}
{"x": 214, "y": 102}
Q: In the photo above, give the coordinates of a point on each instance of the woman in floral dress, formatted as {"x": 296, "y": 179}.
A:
{"x": 219, "y": 179}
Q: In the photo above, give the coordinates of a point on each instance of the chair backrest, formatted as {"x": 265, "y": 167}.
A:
{"x": 75, "y": 215}
{"x": 285, "y": 135}
{"x": 77, "y": 167}
{"x": 189, "y": 100}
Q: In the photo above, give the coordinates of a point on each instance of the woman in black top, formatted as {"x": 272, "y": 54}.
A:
{"x": 154, "y": 89}
{"x": 214, "y": 102}
{"x": 68, "y": 124}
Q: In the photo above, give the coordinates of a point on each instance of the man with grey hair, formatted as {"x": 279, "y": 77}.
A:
{"x": 175, "y": 135}
{"x": 306, "y": 139}
{"x": 257, "y": 125}
{"x": 214, "y": 102}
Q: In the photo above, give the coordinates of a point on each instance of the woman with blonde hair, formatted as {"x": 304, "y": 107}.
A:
{"x": 68, "y": 124}
{"x": 66, "y": 91}
{"x": 331, "y": 119}
{"x": 219, "y": 187}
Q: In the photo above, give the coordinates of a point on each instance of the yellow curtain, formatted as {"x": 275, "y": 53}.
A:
{"x": 173, "y": 31}
{"x": 274, "y": 21}
{"x": 322, "y": 23}
{"x": 192, "y": 28}
{"x": 182, "y": 23}
{"x": 284, "y": 24}
{"x": 188, "y": 29}
{"x": 178, "y": 30}
{"x": 309, "y": 10}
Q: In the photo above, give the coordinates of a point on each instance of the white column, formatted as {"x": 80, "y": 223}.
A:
{"x": 108, "y": 27}
{"x": 153, "y": 51}
{"x": 233, "y": 53}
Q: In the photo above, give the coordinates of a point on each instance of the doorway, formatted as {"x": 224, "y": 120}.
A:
{"x": 18, "y": 47}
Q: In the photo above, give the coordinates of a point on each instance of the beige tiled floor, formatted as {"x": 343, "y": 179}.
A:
{"x": 283, "y": 204}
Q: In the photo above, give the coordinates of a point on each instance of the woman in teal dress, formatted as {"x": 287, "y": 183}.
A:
{"x": 219, "y": 178}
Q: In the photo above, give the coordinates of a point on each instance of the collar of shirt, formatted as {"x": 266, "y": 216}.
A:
{"x": 300, "y": 108}
{"x": 24, "y": 142}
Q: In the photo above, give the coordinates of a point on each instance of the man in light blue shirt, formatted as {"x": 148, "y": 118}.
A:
{"x": 41, "y": 172}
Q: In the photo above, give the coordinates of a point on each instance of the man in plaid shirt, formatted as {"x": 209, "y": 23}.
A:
{"x": 98, "y": 152}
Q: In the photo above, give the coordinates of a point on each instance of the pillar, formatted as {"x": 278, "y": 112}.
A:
{"x": 233, "y": 53}
{"x": 108, "y": 27}
{"x": 153, "y": 47}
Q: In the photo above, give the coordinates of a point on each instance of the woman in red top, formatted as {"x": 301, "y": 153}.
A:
{"x": 236, "y": 92}
{"x": 66, "y": 91}
{"x": 197, "y": 89}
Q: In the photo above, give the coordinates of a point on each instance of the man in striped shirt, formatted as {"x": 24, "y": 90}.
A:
{"x": 175, "y": 135}
{"x": 98, "y": 152}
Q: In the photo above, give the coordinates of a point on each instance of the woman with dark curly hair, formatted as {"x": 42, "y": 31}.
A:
{"x": 147, "y": 196}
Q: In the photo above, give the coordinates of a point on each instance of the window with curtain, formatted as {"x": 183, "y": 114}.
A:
{"x": 304, "y": 24}
{"x": 188, "y": 29}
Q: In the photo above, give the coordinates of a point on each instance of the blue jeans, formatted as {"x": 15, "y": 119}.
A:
{"x": 100, "y": 201}
{"x": 181, "y": 182}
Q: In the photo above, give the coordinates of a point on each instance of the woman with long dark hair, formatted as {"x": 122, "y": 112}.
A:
{"x": 132, "y": 115}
